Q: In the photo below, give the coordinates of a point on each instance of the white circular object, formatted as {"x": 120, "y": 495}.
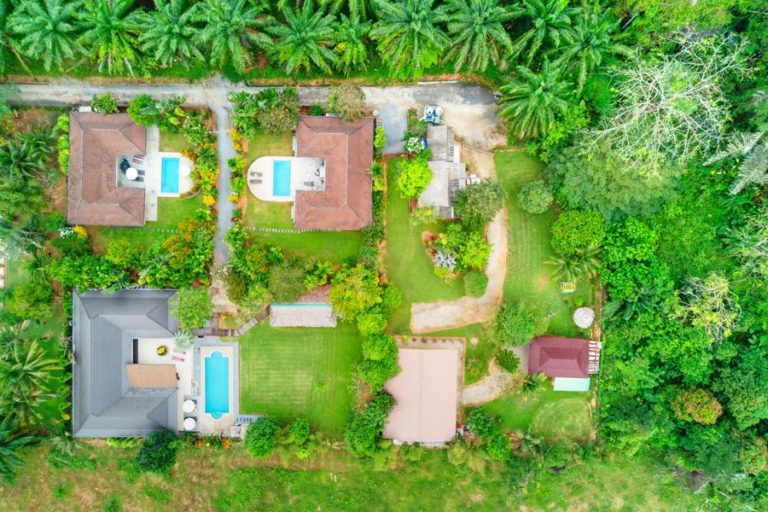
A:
{"x": 583, "y": 317}
{"x": 189, "y": 423}
{"x": 131, "y": 173}
{"x": 189, "y": 406}
{"x": 184, "y": 170}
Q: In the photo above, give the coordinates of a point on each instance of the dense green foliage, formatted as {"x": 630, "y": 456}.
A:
{"x": 363, "y": 432}
{"x": 192, "y": 307}
{"x": 261, "y": 436}
{"x": 158, "y": 452}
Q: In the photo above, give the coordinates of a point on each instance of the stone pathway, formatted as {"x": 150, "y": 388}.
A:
{"x": 498, "y": 383}
{"x": 3, "y": 266}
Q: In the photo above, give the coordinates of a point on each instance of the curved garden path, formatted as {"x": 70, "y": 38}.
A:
{"x": 444, "y": 315}
{"x": 496, "y": 384}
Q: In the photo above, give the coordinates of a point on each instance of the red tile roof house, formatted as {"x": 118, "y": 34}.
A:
{"x": 93, "y": 196}
{"x": 347, "y": 149}
{"x": 567, "y": 361}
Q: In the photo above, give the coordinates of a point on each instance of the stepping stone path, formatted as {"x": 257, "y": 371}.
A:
{"x": 3, "y": 266}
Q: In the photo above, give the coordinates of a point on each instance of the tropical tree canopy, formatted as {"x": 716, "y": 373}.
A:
{"x": 306, "y": 38}
{"x": 477, "y": 31}
{"x": 351, "y": 45}
{"x": 531, "y": 101}
{"x": 550, "y": 22}
{"x": 232, "y": 29}
{"x": 407, "y": 37}
{"x": 110, "y": 32}
{"x": 169, "y": 33}
{"x": 46, "y": 30}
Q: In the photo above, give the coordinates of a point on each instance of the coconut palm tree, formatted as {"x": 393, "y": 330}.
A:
{"x": 46, "y": 30}
{"x": 477, "y": 31}
{"x": 550, "y": 26}
{"x": 408, "y": 39}
{"x": 360, "y": 8}
{"x": 169, "y": 33}
{"x": 753, "y": 169}
{"x": 232, "y": 29}
{"x": 584, "y": 264}
{"x": 11, "y": 442}
{"x": 590, "y": 41}
{"x": 305, "y": 39}
{"x": 351, "y": 46}
{"x": 110, "y": 28}
{"x": 531, "y": 101}
{"x": 27, "y": 155}
{"x": 24, "y": 372}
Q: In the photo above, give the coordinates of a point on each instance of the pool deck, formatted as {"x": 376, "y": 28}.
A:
{"x": 186, "y": 183}
{"x": 206, "y": 423}
{"x": 306, "y": 174}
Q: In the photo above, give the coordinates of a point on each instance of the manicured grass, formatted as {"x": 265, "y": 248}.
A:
{"x": 407, "y": 262}
{"x": 300, "y": 373}
{"x": 529, "y": 277}
{"x": 269, "y": 144}
{"x": 230, "y": 480}
{"x": 552, "y": 415}
{"x": 171, "y": 211}
{"x": 174, "y": 143}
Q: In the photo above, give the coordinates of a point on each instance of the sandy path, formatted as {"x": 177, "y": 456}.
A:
{"x": 496, "y": 384}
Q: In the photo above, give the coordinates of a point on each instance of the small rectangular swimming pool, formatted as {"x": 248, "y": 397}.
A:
{"x": 169, "y": 177}
{"x": 281, "y": 178}
{"x": 216, "y": 385}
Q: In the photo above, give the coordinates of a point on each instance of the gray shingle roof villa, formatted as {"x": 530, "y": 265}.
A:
{"x": 105, "y": 330}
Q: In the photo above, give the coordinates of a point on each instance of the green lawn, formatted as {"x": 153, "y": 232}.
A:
{"x": 407, "y": 262}
{"x": 230, "y": 480}
{"x": 171, "y": 211}
{"x": 529, "y": 277}
{"x": 552, "y": 415}
{"x": 292, "y": 373}
{"x": 268, "y": 144}
{"x": 174, "y": 142}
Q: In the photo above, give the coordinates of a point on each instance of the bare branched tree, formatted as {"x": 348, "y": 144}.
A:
{"x": 709, "y": 305}
{"x": 752, "y": 149}
{"x": 672, "y": 108}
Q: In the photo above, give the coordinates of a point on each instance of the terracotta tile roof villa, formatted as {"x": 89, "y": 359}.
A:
{"x": 97, "y": 142}
{"x": 347, "y": 149}
{"x": 559, "y": 357}
{"x": 426, "y": 396}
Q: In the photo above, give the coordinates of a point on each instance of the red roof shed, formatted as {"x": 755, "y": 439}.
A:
{"x": 559, "y": 357}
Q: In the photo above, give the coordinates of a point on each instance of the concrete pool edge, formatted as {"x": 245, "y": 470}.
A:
{"x": 203, "y": 348}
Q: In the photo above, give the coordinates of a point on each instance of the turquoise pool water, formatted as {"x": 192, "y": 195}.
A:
{"x": 281, "y": 178}
{"x": 169, "y": 177}
{"x": 216, "y": 385}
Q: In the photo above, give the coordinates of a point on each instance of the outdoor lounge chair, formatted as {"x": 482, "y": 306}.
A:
{"x": 255, "y": 182}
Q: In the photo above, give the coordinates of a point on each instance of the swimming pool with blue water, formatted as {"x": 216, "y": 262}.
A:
{"x": 169, "y": 175}
{"x": 217, "y": 385}
{"x": 281, "y": 178}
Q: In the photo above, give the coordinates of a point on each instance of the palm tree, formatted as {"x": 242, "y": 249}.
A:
{"x": 753, "y": 170}
{"x": 351, "y": 46}
{"x": 24, "y": 371}
{"x": 584, "y": 264}
{"x": 26, "y": 156}
{"x": 305, "y": 38}
{"x": 408, "y": 40}
{"x": 360, "y": 8}
{"x": 550, "y": 24}
{"x": 23, "y": 238}
{"x": 110, "y": 29}
{"x": 477, "y": 29}
{"x": 11, "y": 442}
{"x": 590, "y": 42}
{"x": 169, "y": 33}
{"x": 531, "y": 101}
{"x": 46, "y": 30}
{"x": 232, "y": 28}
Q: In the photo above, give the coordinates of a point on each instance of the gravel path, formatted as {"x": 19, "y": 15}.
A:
{"x": 496, "y": 384}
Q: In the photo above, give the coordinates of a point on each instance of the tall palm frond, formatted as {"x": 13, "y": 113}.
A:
{"x": 305, "y": 39}
{"x": 233, "y": 28}
{"x": 408, "y": 39}
{"x": 110, "y": 34}
{"x": 753, "y": 170}
{"x": 361, "y": 8}
{"x": 46, "y": 30}
{"x": 531, "y": 101}
{"x": 24, "y": 373}
{"x": 551, "y": 24}
{"x": 26, "y": 156}
{"x": 12, "y": 441}
{"x": 351, "y": 45}
{"x": 170, "y": 33}
{"x": 477, "y": 30}
{"x": 590, "y": 41}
